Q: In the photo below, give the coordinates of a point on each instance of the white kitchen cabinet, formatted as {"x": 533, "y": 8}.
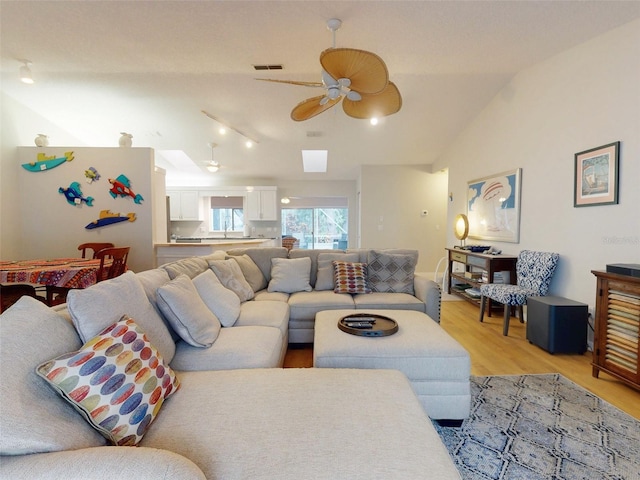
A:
{"x": 185, "y": 205}
{"x": 262, "y": 205}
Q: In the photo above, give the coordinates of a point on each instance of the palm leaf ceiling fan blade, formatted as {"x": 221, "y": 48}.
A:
{"x": 387, "y": 102}
{"x": 292, "y": 82}
{"x": 312, "y": 107}
{"x": 367, "y": 71}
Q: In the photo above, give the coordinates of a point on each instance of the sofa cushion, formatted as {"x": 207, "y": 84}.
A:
{"x": 392, "y": 272}
{"x": 261, "y": 256}
{"x": 300, "y": 423}
{"x": 191, "y": 267}
{"x": 151, "y": 280}
{"x": 350, "y": 277}
{"x": 223, "y": 302}
{"x": 33, "y": 419}
{"x": 386, "y": 301}
{"x": 305, "y": 305}
{"x": 265, "y": 314}
{"x": 290, "y": 275}
{"x": 188, "y": 314}
{"x": 313, "y": 255}
{"x": 95, "y": 308}
{"x": 237, "y": 347}
{"x": 264, "y": 295}
{"x": 251, "y": 272}
{"x": 117, "y": 381}
{"x": 229, "y": 273}
{"x": 325, "y": 279}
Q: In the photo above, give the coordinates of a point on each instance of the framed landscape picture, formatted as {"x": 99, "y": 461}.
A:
{"x": 493, "y": 207}
{"x": 596, "y": 176}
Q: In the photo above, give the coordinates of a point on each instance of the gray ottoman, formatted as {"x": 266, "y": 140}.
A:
{"x": 437, "y": 366}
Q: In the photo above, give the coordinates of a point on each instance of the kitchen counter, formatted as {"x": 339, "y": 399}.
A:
{"x": 217, "y": 241}
{"x": 170, "y": 252}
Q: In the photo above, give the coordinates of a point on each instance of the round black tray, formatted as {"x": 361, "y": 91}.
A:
{"x": 383, "y": 326}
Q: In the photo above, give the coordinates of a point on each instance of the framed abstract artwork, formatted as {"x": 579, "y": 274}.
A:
{"x": 493, "y": 207}
{"x": 596, "y": 176}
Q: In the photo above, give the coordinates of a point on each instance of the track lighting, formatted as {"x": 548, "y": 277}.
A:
{"x": 225, "y": 126}
{"x": 25, "y": 73}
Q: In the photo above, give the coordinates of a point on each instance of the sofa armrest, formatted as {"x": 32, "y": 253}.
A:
{"x": 429, "y": 293}
{"x": 101, "y": 463}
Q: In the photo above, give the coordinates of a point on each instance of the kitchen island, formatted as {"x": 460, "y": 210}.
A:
{"x": 184, "y": 248}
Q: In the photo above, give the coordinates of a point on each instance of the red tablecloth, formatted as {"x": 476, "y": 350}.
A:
{"x": 59, "y": 272}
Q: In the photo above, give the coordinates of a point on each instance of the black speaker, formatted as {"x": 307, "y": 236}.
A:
{"x": 557, "y": 324}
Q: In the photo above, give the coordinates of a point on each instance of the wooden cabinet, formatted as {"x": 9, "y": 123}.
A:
{"x": 477, "y": 268}
{"x": 185, "y": 205}
{"x": 262, "y": 205}
{"x": 616, "y": 349}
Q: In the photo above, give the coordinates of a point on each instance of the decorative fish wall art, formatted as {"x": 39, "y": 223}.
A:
{"x": 122, "y": 186}
{"x": 73, "y": 194}
{"x": 44, "y": 162}
{"x": 108, "y": 218}
{"x": 92, "y": 175}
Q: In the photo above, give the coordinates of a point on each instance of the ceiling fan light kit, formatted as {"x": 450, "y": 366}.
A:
{"x": 357, "y": 77}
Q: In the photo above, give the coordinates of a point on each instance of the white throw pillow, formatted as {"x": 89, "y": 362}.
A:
{"x": 290, "y": 275}
{"x": 251, "y": 272}
{"x": 187, "y": 313}
{"x": 95, "y": 308}
{"x": 221, "y": 301}
{"x": 33, "y": 420}
{"x": 229, "y": 273}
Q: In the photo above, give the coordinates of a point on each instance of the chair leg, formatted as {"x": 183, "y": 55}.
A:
{"x": 507, "y": 316}
{"x": 521, "y": 313}
{"x": 483, "y": 302}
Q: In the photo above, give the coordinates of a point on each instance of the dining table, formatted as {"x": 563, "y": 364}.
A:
{"x": 56, "y": 272}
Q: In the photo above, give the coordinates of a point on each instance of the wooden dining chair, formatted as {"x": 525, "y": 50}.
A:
{"x": 10, "y": 293}
{"x": 58, "y": 295}
{"x": 95, "y": 246}
{"x": 119, "y": 257}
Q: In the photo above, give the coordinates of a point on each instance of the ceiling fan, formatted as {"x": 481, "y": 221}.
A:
{"x": 357, "y": 77}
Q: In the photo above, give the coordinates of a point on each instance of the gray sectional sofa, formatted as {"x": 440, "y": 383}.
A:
{"x": 199, "y": 399}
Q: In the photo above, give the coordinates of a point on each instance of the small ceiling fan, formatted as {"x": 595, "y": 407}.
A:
{"x": 357, "y": 77}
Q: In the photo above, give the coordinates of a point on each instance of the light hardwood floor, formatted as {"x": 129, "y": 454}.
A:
{"x": 494, "y": 354}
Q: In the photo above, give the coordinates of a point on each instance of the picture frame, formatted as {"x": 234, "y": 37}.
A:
{"x": 595, "y": 180}
{"x": 493, "y": 207}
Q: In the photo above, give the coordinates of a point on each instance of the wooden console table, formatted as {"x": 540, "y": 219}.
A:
{"x": 616, "y": 338}
{"x": 477, "y": 266}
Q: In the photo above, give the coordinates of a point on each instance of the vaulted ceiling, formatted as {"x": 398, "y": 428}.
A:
{"x": 151, "y": 67}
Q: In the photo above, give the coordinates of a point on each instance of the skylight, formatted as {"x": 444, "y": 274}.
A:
{"x": 314, "y": 161}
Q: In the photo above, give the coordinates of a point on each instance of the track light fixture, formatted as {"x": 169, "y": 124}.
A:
{"x": 25, "y": 73}
{"x": 225, "y": 126}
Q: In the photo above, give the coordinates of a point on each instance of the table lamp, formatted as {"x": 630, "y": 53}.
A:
{"x": 461, "y": 227}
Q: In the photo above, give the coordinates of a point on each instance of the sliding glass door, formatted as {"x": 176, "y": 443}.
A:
{"x": 317, "y": 227}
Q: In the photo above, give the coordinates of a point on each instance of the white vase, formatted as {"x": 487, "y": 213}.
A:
{"x": 125, "y": 139}
{"x": 42, "y": 140}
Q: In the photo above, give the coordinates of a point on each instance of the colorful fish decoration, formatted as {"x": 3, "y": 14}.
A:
{"x": 122, "y": 186}
{"x": 92, "y": 175}
{"x": 73, "y": 194}
{"x": 108, "y": 218}
{"x": 44, "y": 162}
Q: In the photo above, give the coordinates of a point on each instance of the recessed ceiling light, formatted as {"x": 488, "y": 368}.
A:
{"x": 314, "y": 161}
{"x": 373, "y": 121}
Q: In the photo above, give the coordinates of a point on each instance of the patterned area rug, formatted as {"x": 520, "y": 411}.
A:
{"x": 542, "y": 427}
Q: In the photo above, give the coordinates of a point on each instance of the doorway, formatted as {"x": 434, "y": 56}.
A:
{"x": 317, "y": 227}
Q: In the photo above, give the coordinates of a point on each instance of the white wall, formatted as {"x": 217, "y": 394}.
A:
{"x": 20, "y": 126}
{"x": 583, "y": 98}
{"x": 392, "y": 199}
{"x": 50, "y": 227}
